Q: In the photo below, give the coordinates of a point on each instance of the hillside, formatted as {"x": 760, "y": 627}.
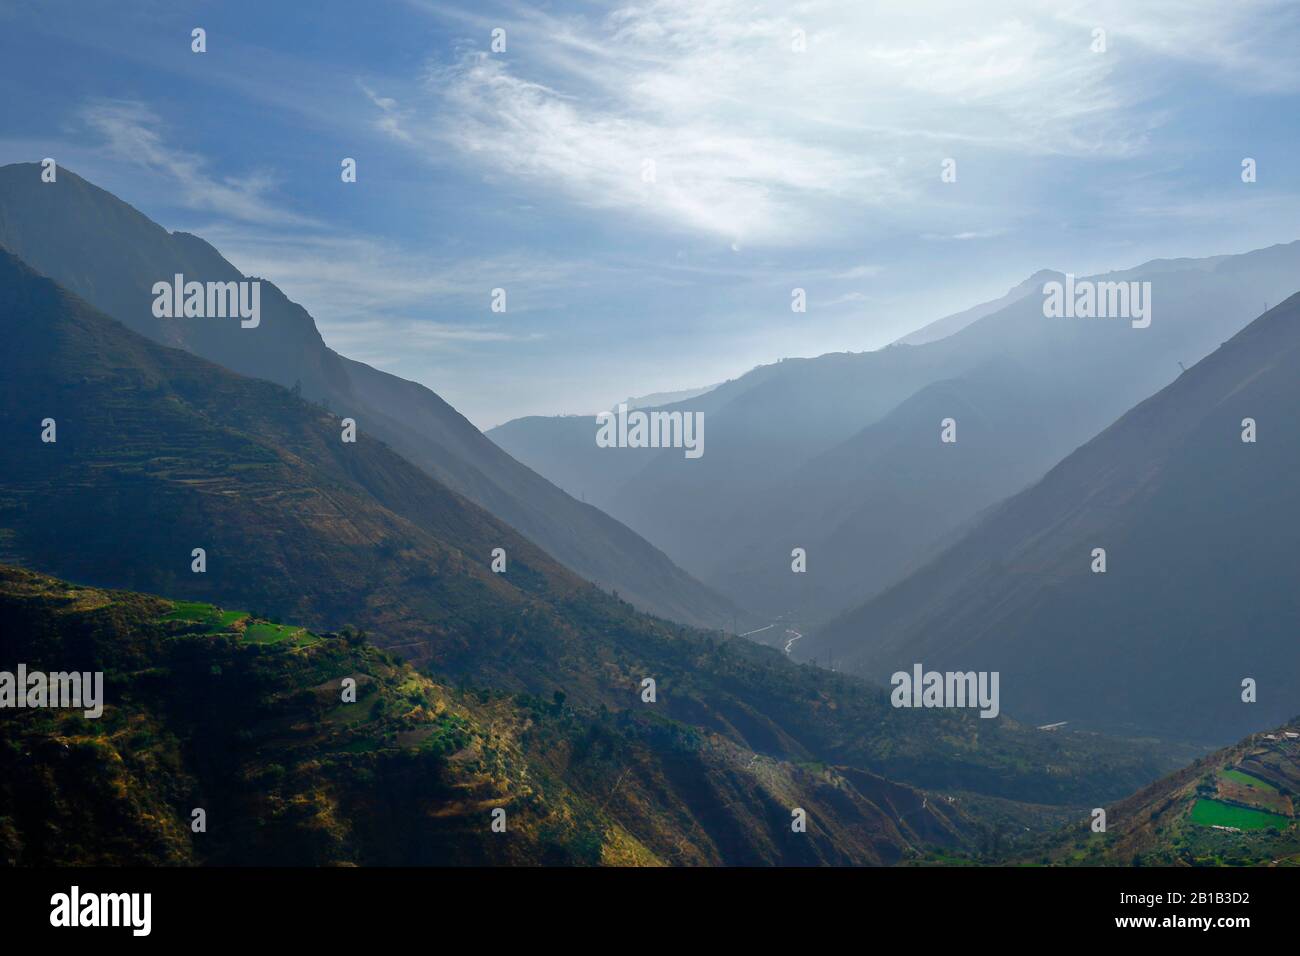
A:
{"x": 110, "y": 254}
{"x": 1200, "y": 533}
{"x": 160, "y": 452}
{"x": 246, "y": 720}
{"x": 1236, "y": 807}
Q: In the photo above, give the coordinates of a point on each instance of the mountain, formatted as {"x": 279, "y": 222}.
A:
{"x": 246, "y": 720}
{"x": 111, "y": 255}
{"x": 946, "y": 326}
{"x": 159, "y": 452}
{"x": 1236, "y": 807}
{"x": 841, "y": 455}
{"x": 664, "y": 398}
{"x": 1200, "y": 531}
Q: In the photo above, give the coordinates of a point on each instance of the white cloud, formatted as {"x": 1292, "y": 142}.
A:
{"x": 1251, "y": 42}
{"x": 364, "y": 293}
{"x": 130, "y": 132}
{"x": 703, "y": 178}
{"x": 360, "y": 289}
{"x": 755, "y": 143}
{"x": 391, "y": 118}
{"x": 865, "y": 271}
{"x": 963, "y": 236}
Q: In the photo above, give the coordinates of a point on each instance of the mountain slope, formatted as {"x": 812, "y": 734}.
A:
{"x": 204, "y": 710}
{"x": 108, "y": 253}
{"x": 1201, "y": 531}
{"x": 159, "y": 452}
{"x": 1038, "y": 388}
{"x": 865, "y": 510}
{"x": 1239, "y": 806}
{"x": 950, "y": 324}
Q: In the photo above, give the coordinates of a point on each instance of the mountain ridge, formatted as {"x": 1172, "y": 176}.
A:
{"x": 108, "y": 252}
{"x": 247, "y": 721}
{"x": 160, "y": 451}
{"x": 1173, "y": 494}
{"x": 782, "y": 429}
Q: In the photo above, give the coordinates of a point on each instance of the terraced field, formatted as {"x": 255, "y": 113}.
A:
{"x": 1245, "y": 789}
{"x": 1235, "y": 807}
{"x": 1212, "y": 813}
{"x": 210, "y": 619}
{"x": 208, "y": 615}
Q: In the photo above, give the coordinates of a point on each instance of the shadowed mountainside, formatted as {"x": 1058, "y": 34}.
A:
{"x": 1200, "y": 530}
{"x": 110, "y": 254}
{"x": 160, "y": 452}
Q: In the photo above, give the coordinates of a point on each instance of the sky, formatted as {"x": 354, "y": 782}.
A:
{"x": 650, "y": 181}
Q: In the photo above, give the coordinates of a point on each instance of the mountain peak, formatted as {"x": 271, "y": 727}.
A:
{"x": 110, "y": 254}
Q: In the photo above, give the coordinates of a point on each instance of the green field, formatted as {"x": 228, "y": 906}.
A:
{"x": 1214, "y": 813}
{"x": 263, "y": 633}
{"x": 209, "y": 615}
{"x": 190, "y": 611}
{"x": 212, "y": 619}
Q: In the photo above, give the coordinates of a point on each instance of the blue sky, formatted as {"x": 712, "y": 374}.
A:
{"x": 773, "y": 167}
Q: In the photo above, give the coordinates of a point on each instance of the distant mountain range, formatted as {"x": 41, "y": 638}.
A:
{"x": 664, "y": 398}
{"x": 950, "y": 324}
{"x": 841, "y": 455}
{"x": 111, "y": 255}
{"x": 1200, "y": 531}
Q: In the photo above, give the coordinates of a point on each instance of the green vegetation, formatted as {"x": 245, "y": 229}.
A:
{"x": 266, "y": 633}
{"x": 190, "y": 611}
{"x": 208, "y": 616}
{"x": 1216, "y": 813}
{"x": 248, "y": 720}
{"x": 240, "y": 625}
{"x": 251, "y": 723}
{"x": 1248, "y": 787}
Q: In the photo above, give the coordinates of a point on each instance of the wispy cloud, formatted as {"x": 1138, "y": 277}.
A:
{"x": 131, "y": 133}
{"x": 770, "y": 122}
{"x": 390, "y": 118}
{"x": 350, "y": 282}
{"x": 964, "y": 236}
{"x": 767, "y": 122}
{"x": 365, "y": 293}
{"x": 865, "y": 271}
{"x": 692, "y": 175}
{"x": 1250, "y": 43}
